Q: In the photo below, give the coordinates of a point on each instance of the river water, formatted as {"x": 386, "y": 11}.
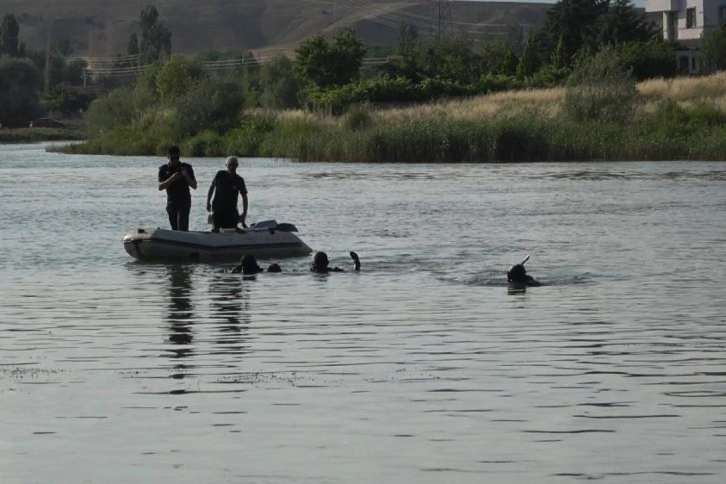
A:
{"x": 423, "y": 367}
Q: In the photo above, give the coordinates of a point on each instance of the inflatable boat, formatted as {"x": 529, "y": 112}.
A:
{"x": 263, "y": 239}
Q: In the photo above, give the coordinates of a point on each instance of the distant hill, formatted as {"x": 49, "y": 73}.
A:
{"x": 102, "y": 27}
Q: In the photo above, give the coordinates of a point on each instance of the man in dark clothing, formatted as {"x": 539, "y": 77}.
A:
{"x": 226, "y": 187}
{"x": 176, "y": 177}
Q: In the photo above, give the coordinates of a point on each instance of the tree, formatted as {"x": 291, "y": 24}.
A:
{"x": 155, "y": 38}
{"x": 622, "y": 23}
{"x": 278, "y": 83}
{"x": 347, "y": 54}
{"x": 404, "y": 63}
{"x": 20, "y": 82}
{"x": 407, "y": 38}
{"x": 649, "y": 60}
{"x": 9, "y": 32}
{"x": 558, "y": 56}
{"x": 712, "y": 56}
{"x": 498, "y": 57}
{"x": 600, "y": 89}
{"x": 528, "y": 63}
{"x": 65, "y": 100}
{"x": 132, "y": 48}
{"x": 176, "y": 76}
{"x": 327, "y": 65}
{"x": 589, "y": 25}
{"x": 448, "y": 57}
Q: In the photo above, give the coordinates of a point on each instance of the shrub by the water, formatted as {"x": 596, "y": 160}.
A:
{"x": 357, "y": 117}
{"x": 601, "y": 89}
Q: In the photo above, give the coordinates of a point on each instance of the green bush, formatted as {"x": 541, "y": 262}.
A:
{"x": 210, "y": 104}
{"x": 206, "y": 143}
{"x": 67, "y": 101}
{"x": 112, "y": 111}
{"x": 600, "y": 89}
{"x": 670, "y": 120}
{"x": 648, "y": 60}
{"x": 358, "y": 117}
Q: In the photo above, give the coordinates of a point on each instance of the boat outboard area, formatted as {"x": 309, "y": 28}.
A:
{"x": 263, "y": 239}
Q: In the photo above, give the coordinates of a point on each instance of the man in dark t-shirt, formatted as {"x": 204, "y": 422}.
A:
{"x": 176, "y": 177}
{"x": 226, "y": 187}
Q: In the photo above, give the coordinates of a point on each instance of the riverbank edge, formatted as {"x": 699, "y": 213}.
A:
{"x": 515, "y": 139}
{"x": 38, "y": 135}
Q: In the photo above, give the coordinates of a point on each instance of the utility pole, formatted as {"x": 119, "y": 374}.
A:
{"x": 438, "y": 31}
{"x": 441, "y": 17}
{"x": 47, "y": 60}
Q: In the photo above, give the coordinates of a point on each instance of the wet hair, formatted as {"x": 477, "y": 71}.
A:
{"x": 320, "y": 260}
{"x": 249, "y": 264}
{"x": 274, "y": 268}
{"x": 517, "y": 274}
{"x": 173, "y": 151}
{"x": 232, "y": 160}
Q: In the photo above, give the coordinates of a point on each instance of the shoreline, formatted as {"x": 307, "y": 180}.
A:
{"x": 38, "y": 135}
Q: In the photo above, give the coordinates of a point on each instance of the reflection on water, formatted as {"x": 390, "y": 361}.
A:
{"x": 421, "y": 368}
{"x": 230, "y": 313}
{"x": 180, "y": 315}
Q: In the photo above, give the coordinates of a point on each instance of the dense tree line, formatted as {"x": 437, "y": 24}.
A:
{"x": 33, "y": 82}
{"x": 330, "y": 73}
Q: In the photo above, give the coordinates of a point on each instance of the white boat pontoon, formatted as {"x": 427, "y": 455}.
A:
{"x": 263, "y": 239}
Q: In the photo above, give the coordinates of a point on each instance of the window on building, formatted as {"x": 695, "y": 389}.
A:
{"x": 721, "y": 15}
{"x": 672, "y": 26}
{"x": 690, "y": 18}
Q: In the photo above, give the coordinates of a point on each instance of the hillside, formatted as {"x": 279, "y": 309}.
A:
{"x": 102, "y": 27}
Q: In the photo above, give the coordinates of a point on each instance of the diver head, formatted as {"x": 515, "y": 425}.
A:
{"x": 517, "y": 274}
{"x": 249, "y": 264}
{"x": 320, "y": 262}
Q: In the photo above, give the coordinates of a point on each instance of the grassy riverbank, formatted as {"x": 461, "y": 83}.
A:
{"x": 669, "y": 120}
{"x": 35, "y": 135}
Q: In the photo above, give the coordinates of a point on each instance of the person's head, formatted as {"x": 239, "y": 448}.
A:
{"x": 232, "y": 163}
{"x": 517, "y": 274}
{"x": 320, "y": 261}
{"x": 173, "y": 153}
{"x": 274, "y": 268}
{"x": 249, "y": 264}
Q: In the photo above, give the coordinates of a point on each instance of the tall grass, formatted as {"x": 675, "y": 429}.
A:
{"x": 678, "y": 119}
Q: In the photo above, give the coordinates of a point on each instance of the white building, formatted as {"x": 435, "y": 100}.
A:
{"x": 684, "y": 21}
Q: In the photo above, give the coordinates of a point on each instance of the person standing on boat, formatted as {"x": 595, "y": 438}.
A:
{"x": 226, "y": 187}
{"x": 176, "y": 177}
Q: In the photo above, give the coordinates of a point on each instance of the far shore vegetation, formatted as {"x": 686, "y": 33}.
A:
{"x": 594, "y": 82}
{"x": 36, "y": 135}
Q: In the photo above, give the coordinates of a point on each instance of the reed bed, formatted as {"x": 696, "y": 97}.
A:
{"x": 686, "y": 88}
{"x": 682, "y": 119}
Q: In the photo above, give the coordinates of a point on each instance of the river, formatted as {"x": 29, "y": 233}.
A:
{"x": 421, "y": 368}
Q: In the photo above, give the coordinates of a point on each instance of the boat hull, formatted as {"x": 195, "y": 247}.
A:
{"x": 177, "y": 246}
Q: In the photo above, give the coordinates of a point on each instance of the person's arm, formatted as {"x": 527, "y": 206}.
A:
{"x": 189, "y": 176}
{"x": 245, "y": 203}
{"x": 356, "y": 261}
{"x": 164, "y": 184}
{"x": 209, "y": 194}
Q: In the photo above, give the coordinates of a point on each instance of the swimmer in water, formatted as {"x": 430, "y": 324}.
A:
{"x": 321, "y": 265}
{"x": 518, "y": 278}
{"x": 248, "y": 265}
